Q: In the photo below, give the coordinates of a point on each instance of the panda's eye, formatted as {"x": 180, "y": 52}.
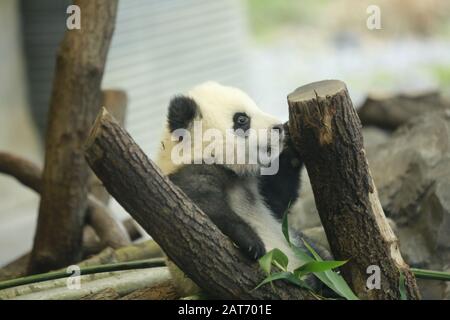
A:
{"x": 242, "y": 119}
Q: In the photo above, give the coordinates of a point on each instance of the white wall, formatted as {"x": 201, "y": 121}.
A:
{"x": 18, "y": 205}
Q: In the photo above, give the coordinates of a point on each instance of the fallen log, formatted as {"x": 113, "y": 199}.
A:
{"x": 144, "y": 250}
{"x": 182, "y": 230}
{"x": 139, "y": 251}
{"x": 123, "y": 282}
{"x": 326, "y": 132}
{"x": 162, "y": 291}
{"x": 106, "y": 294}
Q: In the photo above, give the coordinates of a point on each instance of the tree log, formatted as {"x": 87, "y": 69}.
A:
{"x": 140, "y": 251}
{"x": 115, "y": 101}
{"x": 110, "y": 232}
{"x": 162, "y": 291}
{"x": 326, "y": 132}
{"x": 182, "y": 230}
{"x": 106, "y": 294}
{"x": 123, "y": 282}
{"x": 75, "y": 100}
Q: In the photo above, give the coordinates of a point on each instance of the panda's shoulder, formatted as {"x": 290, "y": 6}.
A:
{"x": 202, "y": 175}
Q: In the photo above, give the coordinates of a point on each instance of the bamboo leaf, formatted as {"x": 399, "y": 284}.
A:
{"x": 273, "y": 257}
{"x": 332, "y": 279}
{"x": 288, "y": 276}
{"x": 317, "y": 266}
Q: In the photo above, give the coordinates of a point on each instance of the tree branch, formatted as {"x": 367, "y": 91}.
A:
{"x": 327, "y": 134}
{"x": 182, "y": 230}
{"x": 109, "y": 231}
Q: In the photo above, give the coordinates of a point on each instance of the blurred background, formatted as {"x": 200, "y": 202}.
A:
{"x": 164, "y": 47}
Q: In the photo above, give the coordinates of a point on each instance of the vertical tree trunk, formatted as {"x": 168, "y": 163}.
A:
{"x": 75, "y": 100}
{"x": 327, "y": 134}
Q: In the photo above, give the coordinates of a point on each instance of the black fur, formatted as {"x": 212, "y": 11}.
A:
{"x": 206, "y": 186}
{"x": 182, "y": 110}
{"x": 281, "y": 189}
{"x": 237, "y": 125}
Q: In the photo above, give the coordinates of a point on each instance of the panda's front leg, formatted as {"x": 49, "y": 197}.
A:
{"x": 229, "y": 222}
{"x": 239, "y": 232}
{"x": 206, "y": 187}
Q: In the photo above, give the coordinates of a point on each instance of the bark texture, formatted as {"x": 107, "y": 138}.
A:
{"x": 182, "y": 230}
{"x": 163, "y": 291}
{"x": 327, "y": 134}
{"x": 106, "y": 294}
{"x": 111, "y": 232}
{"x": 75, "y": 100}
{"x": 26, "y": 172}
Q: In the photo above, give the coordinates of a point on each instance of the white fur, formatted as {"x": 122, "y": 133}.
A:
{"x": 254, "y": 211}
{"x": 217, "y": 104}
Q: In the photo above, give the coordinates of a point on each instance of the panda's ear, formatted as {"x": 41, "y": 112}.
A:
{"x": 182, "y": 111}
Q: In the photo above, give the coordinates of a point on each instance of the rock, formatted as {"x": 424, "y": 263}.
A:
{"x": 304, "y": 212}
{"x": 374, "y": 136}
{"x": 412, "y": 173}
{"x": 390, "y": 112}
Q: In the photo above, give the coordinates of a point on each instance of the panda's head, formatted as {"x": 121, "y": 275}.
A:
{"x": 225, "y": 119}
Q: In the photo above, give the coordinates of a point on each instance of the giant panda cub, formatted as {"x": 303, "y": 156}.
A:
{"x": 246, "y": 206}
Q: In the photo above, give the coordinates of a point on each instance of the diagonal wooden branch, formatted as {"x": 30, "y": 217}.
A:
{"x": 327, "y": 134}
{"x": 182, "y": 230}
{"x": 110, "y": 232}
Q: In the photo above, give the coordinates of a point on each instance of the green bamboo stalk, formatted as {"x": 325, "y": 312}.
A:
{"x": 159, "y": 262}
{"x": 431, "y": 274}
{"x": 121, "y": 266}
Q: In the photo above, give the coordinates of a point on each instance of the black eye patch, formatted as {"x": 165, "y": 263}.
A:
{"x": 241, "y": 121}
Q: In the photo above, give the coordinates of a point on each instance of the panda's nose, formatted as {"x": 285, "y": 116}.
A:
{"x": 279, "y": 128}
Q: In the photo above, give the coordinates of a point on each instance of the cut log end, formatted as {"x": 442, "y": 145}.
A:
{"x": 313, "y": 90}
{"x": 315, "y": 104}
{"x": 96, "y": 127}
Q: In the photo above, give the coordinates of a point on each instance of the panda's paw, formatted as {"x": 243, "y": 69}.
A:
{"x": 254, "y": 250}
